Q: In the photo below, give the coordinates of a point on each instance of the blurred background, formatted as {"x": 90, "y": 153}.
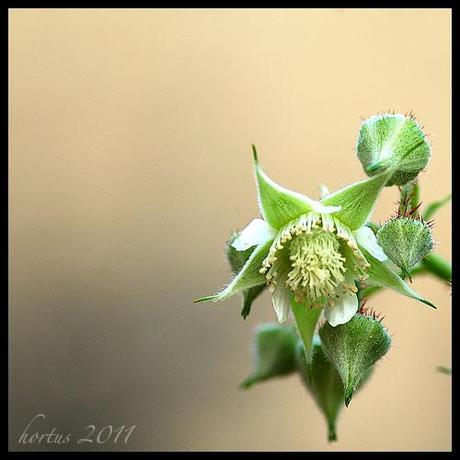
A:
{"x": 130, "y": 164}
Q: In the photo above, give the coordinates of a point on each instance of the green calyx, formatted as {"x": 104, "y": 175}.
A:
{"x": 273, "y": 353}
{"x": 278, "y": 351}
{"x": 393, "y": 142}
{"x": 237, "y": 259}
{"x": 405, "y": 241}
{"x": 353, "y": 348}
{"x": 323, "y": 382}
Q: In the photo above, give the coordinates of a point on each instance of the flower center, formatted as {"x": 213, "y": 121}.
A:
{"x": 317, "y": 266}
{"x": 316, "y": 257}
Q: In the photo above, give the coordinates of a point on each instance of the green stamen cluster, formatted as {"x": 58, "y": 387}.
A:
{"x": 316, "y": 257}
{"x": 317, "y": 265}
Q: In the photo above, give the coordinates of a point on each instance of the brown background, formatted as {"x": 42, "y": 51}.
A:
{"x": 130, "y": 163}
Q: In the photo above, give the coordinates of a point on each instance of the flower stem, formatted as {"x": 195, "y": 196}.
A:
{"x": 438, "y": 266}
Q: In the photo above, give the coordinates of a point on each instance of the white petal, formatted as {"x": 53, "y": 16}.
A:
{"x": 257, "y": 232}
{"x": 281, "y": 299}
{"x": 366, "y": 238}
{"x": 323, "y": 190}
{"x": 342, "y": 310}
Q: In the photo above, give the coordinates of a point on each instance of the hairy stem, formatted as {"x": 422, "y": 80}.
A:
{"x": 438, "y": 266}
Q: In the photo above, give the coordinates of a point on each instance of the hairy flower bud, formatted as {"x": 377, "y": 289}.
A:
{"x": 354, "y": 347}
{"x": 405, "y": 241}
{"x": 324, "y": 383}
{"x": 393, "y": 141}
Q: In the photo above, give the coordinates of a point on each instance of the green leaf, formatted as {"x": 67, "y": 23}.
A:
{"x": 357, "y": 201}
{"x": 305, "y": 319}
{"x": 353, "y": 348}
{"x": 279, "y": 205}
{"x": 274, "y": 353}
{"x": 323, "y": 382}
{"x": 380, "y": 274}
{"x": 435, "y": 206}
{"x": 444, "y": 370}
{"x": 248, "y": 277}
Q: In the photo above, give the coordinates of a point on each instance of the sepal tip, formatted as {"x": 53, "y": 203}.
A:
{"x": 254, "y": 154}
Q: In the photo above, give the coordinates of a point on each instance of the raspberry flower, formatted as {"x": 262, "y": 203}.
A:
{"x": 311, "y": 253}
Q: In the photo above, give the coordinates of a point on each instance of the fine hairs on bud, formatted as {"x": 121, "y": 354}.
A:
{"x": 393, "y": 142}
{"x": 353, "y": 348}
{"x": 406, "y": 241}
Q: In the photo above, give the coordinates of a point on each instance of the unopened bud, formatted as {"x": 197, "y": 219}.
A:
{"x": 353, "y": 348}
{"x": 393, "y": 141}
{"x": 405, "y": 241}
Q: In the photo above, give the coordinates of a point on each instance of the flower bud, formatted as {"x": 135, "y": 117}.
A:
{"x": 274, "y": 353}
{"x": 405, "y": 241}
{"x": 353, "y": 348}
{"x": 324, "y": 383}
{"x": 393, "y": 141}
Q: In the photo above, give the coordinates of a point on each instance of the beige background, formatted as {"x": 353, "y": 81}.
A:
{"x": 130, "y": 163}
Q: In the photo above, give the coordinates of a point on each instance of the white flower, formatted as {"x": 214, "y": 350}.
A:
{"x": 312, "y": 252}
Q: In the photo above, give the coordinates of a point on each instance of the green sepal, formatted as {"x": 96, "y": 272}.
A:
{"x": 237, "y": 259}
{"x": 324, "y": 383}
{"x": 357, "y": 200}
{"x": 279, "y": 205}
{"x": 273, "y": 353}
{"x": 249, "y": 295}
{"x": 353, "y": 348}
{"x": 434, "y": 207}
{"x": 306, "y": 319}
{"x": 248, "y": 277}
{"x": 380, "y": 274}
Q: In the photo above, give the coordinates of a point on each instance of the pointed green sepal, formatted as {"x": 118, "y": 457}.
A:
{"x": 323, "y": 382}
{"x": 249, "y": 295}
{"x": 357, "y": 200}
{"x": 273, "y": 353}
{"x": 237, "y": 259}
{"x": 381, "y": 274}
{"x": 279, "y": 205}
{"x": 248, "y": 277}
{"x": 353, "y": 348}
{"x": 306, "y": 319}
